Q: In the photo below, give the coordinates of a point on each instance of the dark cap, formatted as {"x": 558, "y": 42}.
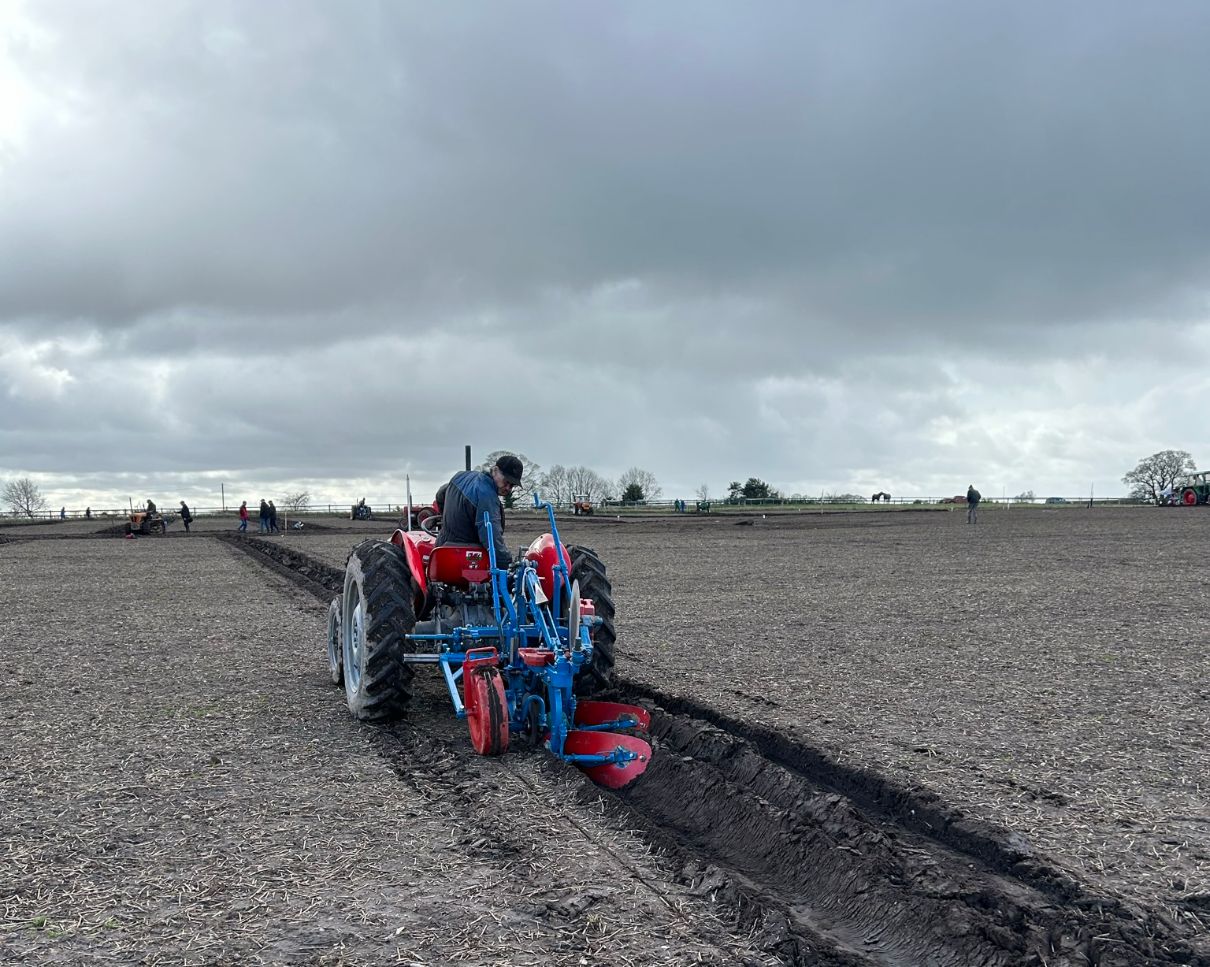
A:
{"x": 511, "y": 468}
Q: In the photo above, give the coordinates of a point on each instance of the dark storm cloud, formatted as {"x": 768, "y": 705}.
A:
{"x": 781, "y": 235}
{"x": 1027, "y": 164}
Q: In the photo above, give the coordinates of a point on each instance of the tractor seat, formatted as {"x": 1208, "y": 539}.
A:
{"x": 459, "y": 564}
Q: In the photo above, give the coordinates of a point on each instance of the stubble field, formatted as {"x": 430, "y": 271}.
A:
{"x": 1024, "y": 703}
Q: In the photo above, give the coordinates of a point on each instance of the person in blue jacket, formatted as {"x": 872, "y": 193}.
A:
{"x": 470, "y": 493}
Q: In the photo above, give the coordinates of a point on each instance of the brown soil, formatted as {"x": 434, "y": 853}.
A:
{"x": 1036, "y": 670}
{"x": 881, "y": 739}
{"x": 181, "y": 786}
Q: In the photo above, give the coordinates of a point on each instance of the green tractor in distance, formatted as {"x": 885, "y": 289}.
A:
{"x": 1193, "y": 490}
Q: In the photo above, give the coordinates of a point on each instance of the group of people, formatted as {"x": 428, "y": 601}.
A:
{"x": 268, "y": 517}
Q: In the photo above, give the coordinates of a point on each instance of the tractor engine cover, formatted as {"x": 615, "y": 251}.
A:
{"x": 546, "y": 557}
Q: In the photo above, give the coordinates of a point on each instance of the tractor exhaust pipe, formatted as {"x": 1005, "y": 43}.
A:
{"x": 468, "y": 456}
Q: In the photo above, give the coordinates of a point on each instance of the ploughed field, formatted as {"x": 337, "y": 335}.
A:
{"x": 880, "y": 738}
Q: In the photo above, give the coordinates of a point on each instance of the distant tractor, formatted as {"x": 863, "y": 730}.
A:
{"x": 148, "y": 523}
{"x": 581, "y": 504}
{"x": 360, "y": 510}
{"x": 1193, "y": 490}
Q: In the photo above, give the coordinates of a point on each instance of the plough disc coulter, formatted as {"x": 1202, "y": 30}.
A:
{"x": 516, "y": 646}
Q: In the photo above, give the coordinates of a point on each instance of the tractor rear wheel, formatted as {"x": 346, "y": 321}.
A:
{"x": 1189, "y": 497}
{"x": 376, "y": 617}
{"x": 588, "y": 569}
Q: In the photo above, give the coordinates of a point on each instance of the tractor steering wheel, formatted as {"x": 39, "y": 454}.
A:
{"x": 431, "y": 525}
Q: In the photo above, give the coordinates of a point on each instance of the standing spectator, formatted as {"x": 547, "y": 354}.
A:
{"x": 186, "y": 515}
{"x": 243, "y": 516}
{"x": 273, "y": 518}
{"x": 972, "y": 504}
{"x": 88, "y": 513}
{"x": 264, "y": 516}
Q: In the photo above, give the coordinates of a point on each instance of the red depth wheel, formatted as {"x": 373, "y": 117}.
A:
{"x": 487, "y": 711}
{"x": 1189, "y": 497}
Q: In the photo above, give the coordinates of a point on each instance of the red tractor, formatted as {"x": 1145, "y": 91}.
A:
{"x": 519, "y": 647}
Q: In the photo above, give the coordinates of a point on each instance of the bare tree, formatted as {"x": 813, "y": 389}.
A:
{"x": 554, "y": 486}
{"x": 637, "y": 480}
{"x": 1159, "y": 472}
{"x": 531, "y": 474}
{"x": 23, "y": 497}
{"x": 296, "y": 503}
{"x": 583, "y": 480}
{"x": 702, "y": 493}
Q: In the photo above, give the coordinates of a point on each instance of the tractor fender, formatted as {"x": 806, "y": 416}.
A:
{"x": 416, "y": 550}
{"x": 542, "y": 552}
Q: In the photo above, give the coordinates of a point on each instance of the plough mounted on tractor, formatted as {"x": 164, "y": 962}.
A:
{"x": 519, "y": 647}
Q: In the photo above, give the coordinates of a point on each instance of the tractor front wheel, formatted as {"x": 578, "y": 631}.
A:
{"x": 588, "y": 569}
{"x": 376, "y": 617}
{"x": 335, "y": 648}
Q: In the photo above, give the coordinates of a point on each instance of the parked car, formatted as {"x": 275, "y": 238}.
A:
{"x": 1056, "y": 500}
{"x": 959, "y": 499}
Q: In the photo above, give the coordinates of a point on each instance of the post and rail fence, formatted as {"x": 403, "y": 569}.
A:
{"x": 384, "y": 509}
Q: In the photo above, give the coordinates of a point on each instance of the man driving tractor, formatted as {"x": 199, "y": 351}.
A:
{"x": 471, "y": 492}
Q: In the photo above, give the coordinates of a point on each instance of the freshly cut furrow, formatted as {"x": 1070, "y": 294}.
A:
{"x": 877, "y": 891}
{"x": 320, "y": 579}
{"x": 857, "y": 870}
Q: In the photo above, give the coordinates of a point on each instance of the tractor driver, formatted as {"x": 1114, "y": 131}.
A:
{"x": 468, "y": 495}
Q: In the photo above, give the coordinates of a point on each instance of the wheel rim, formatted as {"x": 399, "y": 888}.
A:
{"x": 1190, "y": 498}
{"x": 487, "y": 712}
{"x": 354, "y": 645}
{"x": 334, "y": 650}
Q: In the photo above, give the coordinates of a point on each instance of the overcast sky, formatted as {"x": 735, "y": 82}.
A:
{"x": 898, "y": 246}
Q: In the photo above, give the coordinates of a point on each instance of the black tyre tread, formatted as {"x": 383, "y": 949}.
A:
{"x": 387, "y": 592}
{"x": 589, "y": 570}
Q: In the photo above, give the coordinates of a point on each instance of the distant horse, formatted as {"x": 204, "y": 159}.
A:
{"x": 881, "y": 495}
{"x": 877, "y": 497}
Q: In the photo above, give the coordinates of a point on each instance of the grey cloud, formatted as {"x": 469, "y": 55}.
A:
{"x": 926, "y": 165}
{"x": 356, "y": 238}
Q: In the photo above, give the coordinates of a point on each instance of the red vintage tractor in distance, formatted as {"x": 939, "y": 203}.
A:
{"x": 519, "y": 648}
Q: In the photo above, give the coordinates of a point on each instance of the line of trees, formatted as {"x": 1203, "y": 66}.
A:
{"x": 561, "y": 484}
{"x": 1151, "y": 477}
{"x": 754, "y": 488}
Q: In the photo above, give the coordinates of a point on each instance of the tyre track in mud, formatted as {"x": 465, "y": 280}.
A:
{"x": 838, "y": 866}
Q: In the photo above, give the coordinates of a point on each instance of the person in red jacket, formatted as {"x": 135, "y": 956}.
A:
{"x": 243, "y": 516}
